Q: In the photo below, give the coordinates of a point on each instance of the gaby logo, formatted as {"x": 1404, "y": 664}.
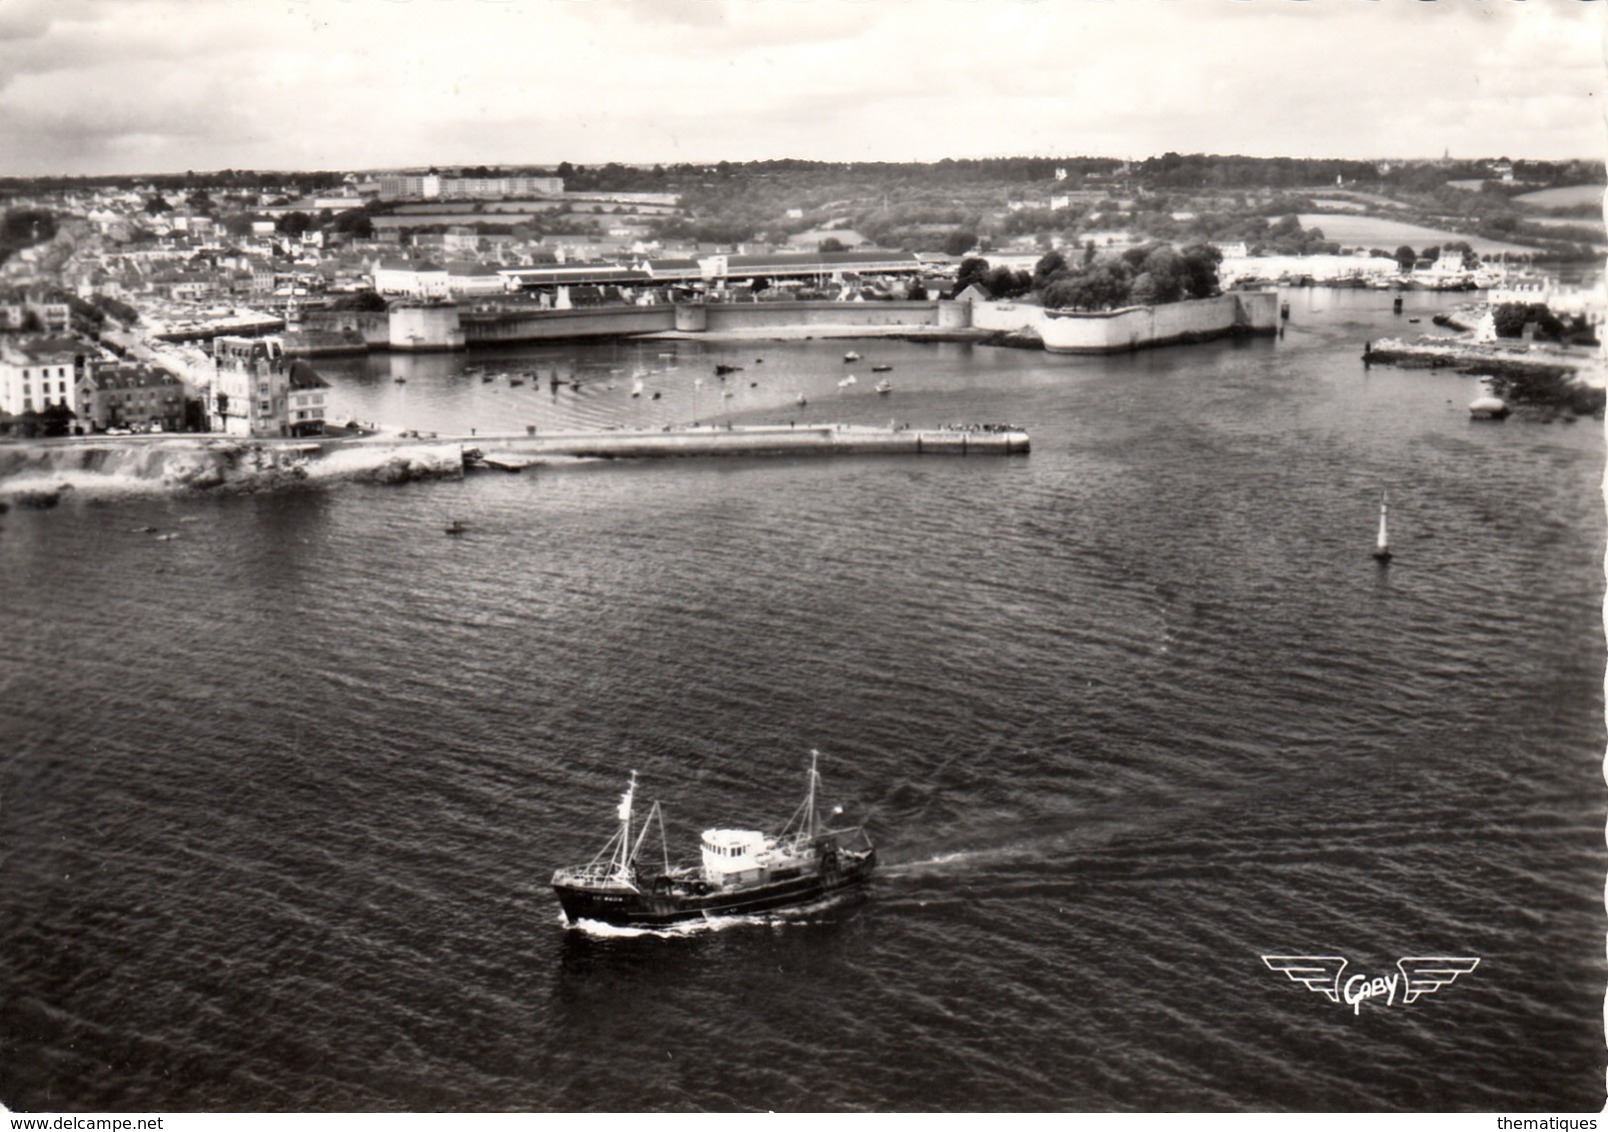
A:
{"x": 1417, "y": 977}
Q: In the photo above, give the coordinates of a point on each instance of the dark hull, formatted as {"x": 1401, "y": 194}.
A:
{"x": 650, "y": 910}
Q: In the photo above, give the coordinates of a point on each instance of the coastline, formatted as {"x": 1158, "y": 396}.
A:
{"x": 1543, "y": 381}
{"x": 42, "y": 473}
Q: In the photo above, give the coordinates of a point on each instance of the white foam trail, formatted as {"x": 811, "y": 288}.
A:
{"x": 775, "y": 919}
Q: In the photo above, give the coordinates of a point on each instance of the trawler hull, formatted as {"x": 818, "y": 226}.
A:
{"x": 660, "y": 904}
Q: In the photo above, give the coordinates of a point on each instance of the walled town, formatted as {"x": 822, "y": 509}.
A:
{"x": 193, "y": 303}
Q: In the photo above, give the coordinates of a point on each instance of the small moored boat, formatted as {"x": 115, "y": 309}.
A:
{"x": 741, "y": 871}
{"x": 883, "y": 386}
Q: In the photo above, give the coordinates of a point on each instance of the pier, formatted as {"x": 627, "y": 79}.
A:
{"x": 44, "y": 469}
{"x": 761, "y": 440}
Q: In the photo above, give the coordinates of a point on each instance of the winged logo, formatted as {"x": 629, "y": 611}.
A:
{"x": 1427, "y": 974}
{"x": 1420, "y": 975}
{"x": 1320, "y": 973}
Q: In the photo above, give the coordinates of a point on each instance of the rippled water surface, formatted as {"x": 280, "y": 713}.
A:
{"x": 280, "y": 797}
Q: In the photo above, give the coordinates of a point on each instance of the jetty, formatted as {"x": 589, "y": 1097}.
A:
{"x": 44, "y": 469}
{"x": 762, "y": 440}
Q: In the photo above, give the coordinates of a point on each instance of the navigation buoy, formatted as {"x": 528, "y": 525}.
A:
{"x": 1382, "y": 546}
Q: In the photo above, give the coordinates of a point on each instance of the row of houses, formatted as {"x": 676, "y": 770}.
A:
{"x": 42, "y": 307}
{"x": 247, "y": 388}
{"x": 42, "y": 376}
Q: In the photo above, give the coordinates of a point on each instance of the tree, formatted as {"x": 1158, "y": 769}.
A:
{"x": 1406, "y": 257}
{"x": 1106, "y": 285}
{"x": 1004, "y": 283}
{"x": 24, "y": 227}
{"x": 959, "y": 242}
{"x": 1509, "y": 319}
{"x": 832, "y": 244}
{"x": 293, "y": 224}
{"x": 1145, "y": 292}
{"x": 57, "y": 419}
{"x": 917, "y": 291}
{"x": 355, "y": 222}
{"x": 156, "y": 205}
{"x": 1200, "y": 263}
{"x": 1061, "y": 294}
{"x": 973, "y": 269}
{"x": 1050, "y": 267}
{"x": 363, "y": 301}
{"x": 1163, "y": 270}
{"x": 1285, "y": 226}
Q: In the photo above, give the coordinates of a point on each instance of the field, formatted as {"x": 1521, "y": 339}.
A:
{"x": 1375, "y": 232}
{"x": 1592, "y": 222}
{"x": 1563, "y": 198}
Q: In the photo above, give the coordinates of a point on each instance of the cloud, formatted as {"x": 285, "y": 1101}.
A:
{"x": 146, "y": 84}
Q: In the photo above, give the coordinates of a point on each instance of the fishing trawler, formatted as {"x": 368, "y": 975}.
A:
{"x": 741, "y": 871}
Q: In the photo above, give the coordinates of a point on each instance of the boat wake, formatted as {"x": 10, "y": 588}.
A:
{"x": 1059, "y": 838}
{"x": 962, "y": 860}
{"x": 685, "y": 929}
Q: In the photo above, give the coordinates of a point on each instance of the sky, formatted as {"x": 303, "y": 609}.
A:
{"x": 131, "y": 86}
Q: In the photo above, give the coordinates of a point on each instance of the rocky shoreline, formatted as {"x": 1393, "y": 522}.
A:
{"x": 35, "y": 474}
{"x": 1548, "y": 381}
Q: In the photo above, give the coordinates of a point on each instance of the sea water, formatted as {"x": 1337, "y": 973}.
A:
{"x": 280, "y": 797}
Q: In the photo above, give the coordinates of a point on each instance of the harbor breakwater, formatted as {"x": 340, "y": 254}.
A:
{"x": 39, "y": 473}
{"x": 768, "y": 440}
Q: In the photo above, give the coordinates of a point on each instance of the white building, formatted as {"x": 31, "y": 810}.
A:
{"x": 469, "y": 280}
{"x": 308, "y": 394}
{"x": 414, "y": 280}
{"x": 38, "y": 372}
{"x": 250, "y": 388}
